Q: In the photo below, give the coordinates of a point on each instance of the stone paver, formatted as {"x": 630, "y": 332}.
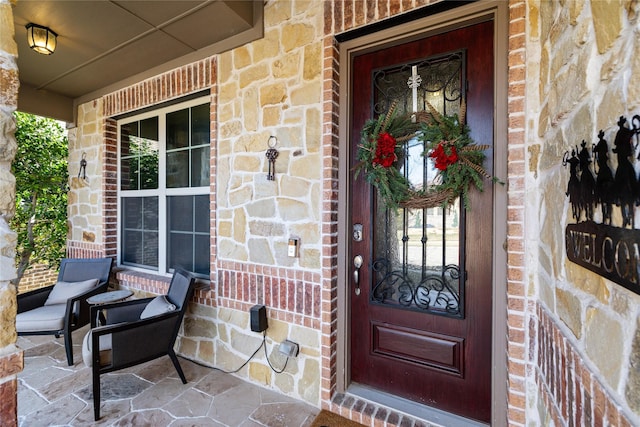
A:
{"x": 52, "y": 393}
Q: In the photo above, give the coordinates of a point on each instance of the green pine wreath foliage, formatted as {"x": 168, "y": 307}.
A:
{"x": 446, "y": 138}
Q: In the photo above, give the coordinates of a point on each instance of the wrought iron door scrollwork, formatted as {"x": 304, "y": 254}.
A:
{"x": 437, "y": 292}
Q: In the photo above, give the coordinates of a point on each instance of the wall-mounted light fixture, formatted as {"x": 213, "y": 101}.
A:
{"x": 41, "y": 39}
{"x": 83, "y": 166}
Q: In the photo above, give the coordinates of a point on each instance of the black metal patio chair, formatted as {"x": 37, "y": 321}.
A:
{"x": 62, "y": 308}
{"x": 136, "y": 331}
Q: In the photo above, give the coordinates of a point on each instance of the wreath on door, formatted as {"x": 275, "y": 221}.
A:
{"x": 457, "y": 158}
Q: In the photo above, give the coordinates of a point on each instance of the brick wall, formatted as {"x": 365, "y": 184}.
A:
{"x": 330, "y": 144}
{"x": 571, "y": 393}
{"x": 36, "y": 277}
{"x": 517, "y": 305}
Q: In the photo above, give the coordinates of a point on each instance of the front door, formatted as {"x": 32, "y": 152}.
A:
{"x": 421, "y": 309}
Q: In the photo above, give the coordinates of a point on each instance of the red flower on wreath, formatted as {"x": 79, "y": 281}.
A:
{"x": 442, "y": 159}
{"x": 385, "y": 150}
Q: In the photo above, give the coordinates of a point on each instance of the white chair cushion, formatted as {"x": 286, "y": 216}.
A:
{"x": 158, "y": 305}
{"x": 62, "y": 291}
{"x": 105, "y": 349}
{"x": 45, "y": 318}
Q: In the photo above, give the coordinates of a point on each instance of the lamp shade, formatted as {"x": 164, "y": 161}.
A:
{"x": 41, "y": 39}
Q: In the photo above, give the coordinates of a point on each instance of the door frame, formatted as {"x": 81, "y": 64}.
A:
{"x": 497, "y": 11}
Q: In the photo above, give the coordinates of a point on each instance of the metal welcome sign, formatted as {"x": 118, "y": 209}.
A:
{"x": 608, "y": 247}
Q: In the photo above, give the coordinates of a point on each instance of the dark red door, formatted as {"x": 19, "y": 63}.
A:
{"x": 421, "y": 311}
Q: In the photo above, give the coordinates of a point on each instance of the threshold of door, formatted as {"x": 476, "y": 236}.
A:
{"x": 431, "y": 415}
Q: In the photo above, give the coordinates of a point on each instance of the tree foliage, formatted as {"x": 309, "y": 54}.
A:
{"x": 40, "y": 168}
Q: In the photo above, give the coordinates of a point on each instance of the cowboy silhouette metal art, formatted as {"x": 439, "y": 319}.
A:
{"x": 607, "y": 244}
{"x": 621, "y": 188}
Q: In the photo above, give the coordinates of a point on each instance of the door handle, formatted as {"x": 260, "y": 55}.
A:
{"x": 357, "y": 263}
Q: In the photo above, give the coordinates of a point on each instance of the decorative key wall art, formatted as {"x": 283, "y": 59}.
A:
{"x": 272, "y": 155}
{"x": 603, "y": 240}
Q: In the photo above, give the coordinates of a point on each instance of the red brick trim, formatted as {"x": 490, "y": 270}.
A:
{"x": 330, "y": 149}
{"x": 170, "y": 85}
{"x": 570, "y": 392}
{"x": 148, "y": 283}
{"x": 516, "y": 298}
{"x": 10, "y": 365}
{"x": 9, "y": 403}
{"x": 77, "y": 249}
{"x": 110, "y": 188}
{"x": 291, "y": 295}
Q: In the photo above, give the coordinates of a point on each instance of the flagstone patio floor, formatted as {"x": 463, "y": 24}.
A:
{"x": 51, "y": 393}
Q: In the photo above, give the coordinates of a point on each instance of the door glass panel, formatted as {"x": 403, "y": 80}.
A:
{"x": 418, "y": 253}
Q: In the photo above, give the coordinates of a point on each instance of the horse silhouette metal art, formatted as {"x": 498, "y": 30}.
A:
{"x": 620, "y": 187}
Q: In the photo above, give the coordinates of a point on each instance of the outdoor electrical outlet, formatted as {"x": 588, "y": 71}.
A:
{"x": 288, "y": 348}
{"x": 292, "y": 247}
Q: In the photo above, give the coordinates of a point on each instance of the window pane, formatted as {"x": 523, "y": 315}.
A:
{"x": 150, "y": 211}
{"x": 129, "y": 173}
{"x": 139, "y": 155}
{"x": 188, "y": 231}
{"x": 148, "y": 154}
{"x": 131, "y": 208}
{"x": 180, "y": 251}
{"x": 200, "y": 167}
{"x": 128, "y": 165}
{"x": 202, "y": 214}
{"x": 132, "y": 247}
{"x": 149, "y": 172}
{"x": 201, "y": 261}
{"x": 149, "y": 129}
{"x": 181, "y": 213}
{"x": 140, "y": 231}
{"x": 150, "y": 251}
{"x": 178, "y": 129}
{"x": 200, "y": 125}
{"x": 126, "y": 132}
{"x": 178, "y": 169}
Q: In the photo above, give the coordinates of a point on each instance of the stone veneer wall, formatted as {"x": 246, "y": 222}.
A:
{"x": 11, "y": 358}
{"x": 272, "y": 86}
{"x": 583, "y": 67}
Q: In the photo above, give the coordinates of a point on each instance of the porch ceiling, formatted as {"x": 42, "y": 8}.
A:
{"x": 104, "y": 44}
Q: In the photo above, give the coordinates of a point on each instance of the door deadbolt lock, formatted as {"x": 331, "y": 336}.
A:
{"x": 357, "y": 232}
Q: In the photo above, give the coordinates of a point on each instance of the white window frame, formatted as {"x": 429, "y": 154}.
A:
{"x": 161, "y": 192}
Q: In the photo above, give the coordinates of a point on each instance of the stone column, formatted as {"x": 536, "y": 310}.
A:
{"x": 11, "y": 360}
